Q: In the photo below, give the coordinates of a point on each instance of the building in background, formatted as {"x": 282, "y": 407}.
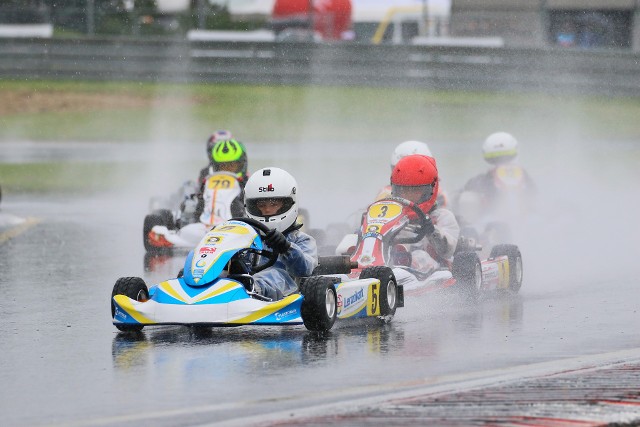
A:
{"x": 31, "y": 18}
{"x": 542, "y": 23}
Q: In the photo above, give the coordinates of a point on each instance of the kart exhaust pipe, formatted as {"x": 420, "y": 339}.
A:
{"x": 338, "y": 264}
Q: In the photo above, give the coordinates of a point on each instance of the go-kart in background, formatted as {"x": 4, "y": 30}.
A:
{"x": 86, "y": 158}
{"x": 141, "y": 140}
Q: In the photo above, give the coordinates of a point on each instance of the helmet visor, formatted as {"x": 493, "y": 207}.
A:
{"x": 234, "y": 167}
{"x": 267, "y": 207}
{"x": 415, "y": 194}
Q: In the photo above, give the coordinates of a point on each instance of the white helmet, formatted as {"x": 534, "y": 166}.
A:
{"x": 407, "y": 148}
{"x": 272, "y": 183}
{"x": 500, "y": 147}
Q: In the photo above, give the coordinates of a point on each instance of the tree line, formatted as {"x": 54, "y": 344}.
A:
{"x": 119, "y": 17}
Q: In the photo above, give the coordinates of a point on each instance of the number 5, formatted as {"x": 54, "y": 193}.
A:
{"x": 374, "y": 298}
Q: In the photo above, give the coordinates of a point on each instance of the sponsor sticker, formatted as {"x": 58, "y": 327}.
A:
{"x": 385, "y": 211}
{"x": 212, "y": 240}
{"x": 220, "y": 182}
{"x": 232, "y": 229}
{"x": 284, "y": 315}
{"x": 373, "y": 300}
{"x": 266, "y": 189}
{"x": 207, "y": 250}
{"x": 373, "y": 234}
{"x": 353, "y": 299}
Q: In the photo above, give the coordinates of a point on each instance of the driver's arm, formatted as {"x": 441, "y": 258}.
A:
{"x": 445, "y": 237}
{"x": 302, "y": 257}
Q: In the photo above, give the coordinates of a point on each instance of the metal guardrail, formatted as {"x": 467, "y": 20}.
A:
{"x": 436, "y": 67}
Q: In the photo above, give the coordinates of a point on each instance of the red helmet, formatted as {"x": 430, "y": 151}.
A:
{"x": 415, "y": 178}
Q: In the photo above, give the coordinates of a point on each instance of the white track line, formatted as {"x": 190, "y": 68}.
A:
{"x": 18, "y": 229}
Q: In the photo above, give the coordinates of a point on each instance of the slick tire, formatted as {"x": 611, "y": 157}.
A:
{"x": 467, "y": 270}
{"x": 151, "y": 221}
{"x": 320, "y": 304}
{"x": 388, "y": 290}
{"x": 133, "y": 287}
{"x": 167, "y": 218}
{"x": 515, "y": 264}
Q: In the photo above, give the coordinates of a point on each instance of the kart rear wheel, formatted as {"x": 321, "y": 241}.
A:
{"x": 150, "y": 221}
{"x": 388, "y": 290}
{"x": 467, "y": 270}
{"x": 320, "y": 304}
{"x": 157, "y": 217}
{"x": 167, "y": 218}
{"x": 515, "y": 264}
{"x": 133, "y": 287}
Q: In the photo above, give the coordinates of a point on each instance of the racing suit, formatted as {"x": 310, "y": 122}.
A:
{"x": 487, "y": 185}
{"x": 237, "y": 206}
{"x": 506, "y": 193}
{"x": 300, "y": 260}
{"x": 436, "y": 250}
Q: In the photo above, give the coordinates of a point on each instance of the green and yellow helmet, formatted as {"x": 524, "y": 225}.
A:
{"x": 227, "y": 152}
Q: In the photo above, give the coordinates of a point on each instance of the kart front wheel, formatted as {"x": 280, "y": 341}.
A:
{"x": 133, "y": 287}
{"x": 467, "y": 270}
{"x": 515, "y": 264}
{"x": 320, "y": 304}
{"x": 388, "y": 290}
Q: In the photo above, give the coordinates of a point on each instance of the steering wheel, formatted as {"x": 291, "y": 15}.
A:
{"x": 421, "y": 232}
{"x": 262, "y": 230}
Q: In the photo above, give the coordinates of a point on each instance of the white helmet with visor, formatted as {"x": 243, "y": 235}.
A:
{"x": 500, "y": 147}
{"x": 270, "y": 197}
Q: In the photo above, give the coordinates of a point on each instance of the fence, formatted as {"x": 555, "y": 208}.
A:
{"x": 437, "y": 67}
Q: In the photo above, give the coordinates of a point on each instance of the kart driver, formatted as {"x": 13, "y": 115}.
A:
{"x": 270, "y": 197}
{"x": 227, "y": 155}
{"x": 415, "y": 178}
{"x": 219, "y": 135}
{"x": 406, "y": 149}
{"x": 504, "y": 179}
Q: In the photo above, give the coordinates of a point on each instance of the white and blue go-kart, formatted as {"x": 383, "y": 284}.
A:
{"x": 216, "y": 288}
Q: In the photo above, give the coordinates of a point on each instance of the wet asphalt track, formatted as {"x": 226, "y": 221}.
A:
{"x": 63, "y": 363}
{"x": 512, "y": 361}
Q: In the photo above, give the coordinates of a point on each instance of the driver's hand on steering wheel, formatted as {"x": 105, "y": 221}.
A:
{"x": 428, "y": 226}
{"x": 276, "y": 240}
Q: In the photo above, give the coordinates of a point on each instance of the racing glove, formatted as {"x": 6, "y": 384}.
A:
{"x": 276, "y": 240}
{"x": 428, "y": 226}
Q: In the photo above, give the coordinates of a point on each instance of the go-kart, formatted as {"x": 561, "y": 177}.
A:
{"x": 490, "y": 218}
{"x": 166, "y": 229}
{"x": 390, "y": 225}
{"x": 215, "y": 288}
